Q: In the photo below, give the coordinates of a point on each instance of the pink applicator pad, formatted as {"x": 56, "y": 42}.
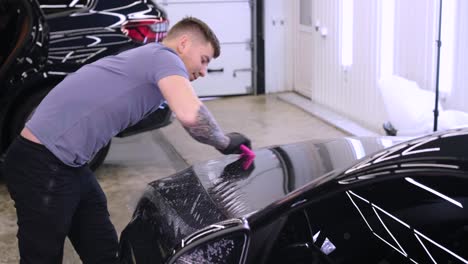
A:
{"x": 248, "y": 155}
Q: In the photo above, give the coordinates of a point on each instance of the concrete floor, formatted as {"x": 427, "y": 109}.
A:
{"x": 135, "y": 161}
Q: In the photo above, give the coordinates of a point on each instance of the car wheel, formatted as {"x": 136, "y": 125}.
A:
{"x": 24, "y": 112}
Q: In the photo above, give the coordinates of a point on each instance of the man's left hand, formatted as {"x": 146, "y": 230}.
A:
{"x": 235, "y": 141}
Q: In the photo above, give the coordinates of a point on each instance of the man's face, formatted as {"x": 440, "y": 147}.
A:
{"x": 196, "y": 55}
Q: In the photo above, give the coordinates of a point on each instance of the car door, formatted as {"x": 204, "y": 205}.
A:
{"x": 421, "y": 215}
{"x": 56, "y": 8}
{"x": 232, "y": 72}
{"x": 409, "y": 217}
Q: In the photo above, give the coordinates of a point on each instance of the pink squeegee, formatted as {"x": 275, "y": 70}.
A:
{"x": 248, "y": 155}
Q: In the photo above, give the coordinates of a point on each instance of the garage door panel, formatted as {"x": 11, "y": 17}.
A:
{"x": 235, "y": 77}
{"x": 231, "y": 73}
{"x": 223, "y": 18}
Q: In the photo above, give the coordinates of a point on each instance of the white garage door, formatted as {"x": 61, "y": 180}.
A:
{"x": 231, "y": 73}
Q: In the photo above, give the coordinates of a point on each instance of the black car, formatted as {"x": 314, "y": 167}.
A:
{"x": 49, "y": 39}
{"x": 348, "y": 200}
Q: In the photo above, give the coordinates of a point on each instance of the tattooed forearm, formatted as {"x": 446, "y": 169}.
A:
{"x": 206, "y": 130}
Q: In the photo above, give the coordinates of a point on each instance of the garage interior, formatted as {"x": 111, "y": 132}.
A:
{"x": 294, "y": 71}
{"x": 135, "y": 161}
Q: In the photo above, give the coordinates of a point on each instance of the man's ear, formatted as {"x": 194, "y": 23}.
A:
{"x": 183, "y": 43}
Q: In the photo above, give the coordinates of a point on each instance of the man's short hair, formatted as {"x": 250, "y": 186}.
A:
{"x": 192, "y": 24}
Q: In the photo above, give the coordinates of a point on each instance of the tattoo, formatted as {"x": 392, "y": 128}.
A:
{"x": 206, "y": 130}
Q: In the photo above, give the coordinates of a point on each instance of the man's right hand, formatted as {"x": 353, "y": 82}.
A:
{"x": 235, "y": 141}
{"x": 237, "y": 169}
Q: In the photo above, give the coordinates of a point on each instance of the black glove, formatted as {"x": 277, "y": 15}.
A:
{"x": 237, "y": 169}
{"x": 235, "y": 140}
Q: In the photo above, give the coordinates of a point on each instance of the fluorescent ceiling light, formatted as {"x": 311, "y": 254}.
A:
{"x": 347, "y": 13}
{"x": 449, "y": 13}
{"x": 387, "y": 37}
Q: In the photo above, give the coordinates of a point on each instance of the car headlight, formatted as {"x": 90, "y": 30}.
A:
{"x": 225, "y": 242}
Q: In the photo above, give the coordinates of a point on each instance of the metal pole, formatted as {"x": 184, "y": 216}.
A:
{"x": 253, "y": 10}
{"x": 439, "y": 44}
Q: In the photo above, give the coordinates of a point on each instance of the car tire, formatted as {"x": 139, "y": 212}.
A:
{"x": 24, "y": 112}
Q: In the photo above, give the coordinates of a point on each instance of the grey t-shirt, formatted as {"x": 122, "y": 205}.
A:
{"x": 83, "y": 112}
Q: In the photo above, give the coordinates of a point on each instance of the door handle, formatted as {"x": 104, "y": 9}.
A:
{"x": 234, "y": 73}
{"x": 216, "y": 70}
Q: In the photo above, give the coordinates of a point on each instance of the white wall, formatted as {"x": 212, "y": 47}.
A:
{"x": 349, "y": 91}
{"x": 353, "y": 91}
{"x": 459, "y": 96}
{"x": 415, "y": 41}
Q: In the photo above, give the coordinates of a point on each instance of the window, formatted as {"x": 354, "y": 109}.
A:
{"x": 305, "y": 9}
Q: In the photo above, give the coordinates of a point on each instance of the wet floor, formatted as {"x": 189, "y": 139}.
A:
{"x": 135, "y": 161}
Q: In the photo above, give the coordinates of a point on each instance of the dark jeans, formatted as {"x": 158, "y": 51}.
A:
{"x": 53, "y": 201}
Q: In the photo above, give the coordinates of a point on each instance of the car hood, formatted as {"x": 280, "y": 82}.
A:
{"x": 206, "y": 193}
{"x": 279, "y": 170}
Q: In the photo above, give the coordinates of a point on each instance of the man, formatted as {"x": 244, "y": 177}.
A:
{"x": 55, "y": 193}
